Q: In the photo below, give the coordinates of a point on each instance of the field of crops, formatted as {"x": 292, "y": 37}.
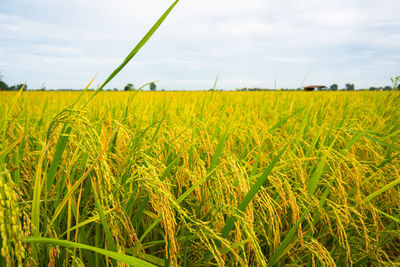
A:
{"x": 200, "y": 178}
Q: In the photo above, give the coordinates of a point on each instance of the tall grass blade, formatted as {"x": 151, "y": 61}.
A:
{"x": 381, "y": 190}
{"x": 60, "y": 147}
{"x": 68, "y": 244}
{"x": 135, "y": 50}
{"x": 285, "y": 243}
{"x": 252, "y": 192}
{"x": 110, "y": 240}
{"x": 284, "y": 120}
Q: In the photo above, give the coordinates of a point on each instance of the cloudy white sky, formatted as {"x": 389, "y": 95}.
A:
{"x": 249, "y": 43}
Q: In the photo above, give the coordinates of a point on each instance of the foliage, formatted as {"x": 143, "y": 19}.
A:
{"x": 129, "y": 87}
{"x": 17, "y": 87}
{"x": 153, "y": 86}
{"x": 349, "y": 87}
{"x": 3, "y": 86}
{"x": 334, "y": 87}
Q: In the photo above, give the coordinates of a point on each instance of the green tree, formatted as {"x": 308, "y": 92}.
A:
{"x": 153, "y": 87}
{"x": 333, "y": 87}
{"x": 349, "y": 86}
{"x": 17, "y": 87}
{"x": 3, "y": 86}
{"x": 129, "y": 87}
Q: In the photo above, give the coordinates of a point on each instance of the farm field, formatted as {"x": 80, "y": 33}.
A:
{"x": 200, "y": 178}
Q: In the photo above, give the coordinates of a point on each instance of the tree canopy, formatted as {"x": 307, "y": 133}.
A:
{"x": 153, "y": 87}
{"x": 3, "y": 86}
{"x": 129, "y": 87}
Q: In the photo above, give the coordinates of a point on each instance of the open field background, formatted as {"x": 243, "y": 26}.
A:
{"x": 200, "y": 178}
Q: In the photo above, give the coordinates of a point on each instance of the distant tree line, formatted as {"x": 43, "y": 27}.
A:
{"x": 153, "y": 87}
{"x": 5, "y": 87}
{"x": 333, "y": 87}
{"x": 17, "y": 87}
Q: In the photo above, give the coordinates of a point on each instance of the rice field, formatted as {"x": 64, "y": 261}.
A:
{"x": 200, "y": 178}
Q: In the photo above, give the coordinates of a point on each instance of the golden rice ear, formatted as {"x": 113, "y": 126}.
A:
{"x": 11, "y": 233}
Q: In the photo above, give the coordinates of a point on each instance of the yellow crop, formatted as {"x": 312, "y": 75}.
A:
{"x": 200, "y": 178}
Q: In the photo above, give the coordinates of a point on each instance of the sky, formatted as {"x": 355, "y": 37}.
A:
{"x": 247, "y": 43}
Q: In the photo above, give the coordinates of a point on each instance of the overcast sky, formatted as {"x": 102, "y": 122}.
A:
{"x": 249, "y": 43}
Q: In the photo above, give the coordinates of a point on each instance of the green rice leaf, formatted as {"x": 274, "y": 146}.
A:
{"x": 381, "y": 190}
{"x": 68, "y": 244}
{"x": 285, "y": 243}
{"x": 229, "y": 224}
{"x": 135, "y": 50}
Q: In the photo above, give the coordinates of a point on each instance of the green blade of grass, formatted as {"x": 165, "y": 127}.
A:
{"x": 374, "y": 139}
{"x": 353, "y": 140}
{"x": 156, "y": 221}
{"x": 106, "y": 229}
{"x": 10, "y": 148}
{"x": 139, "y": 212}
{"x": 37, "y": 189}
{"x": 153, "y": 139}
{"x": 285, "y": 243}
{"x": 134, "y": 51}
{"x": 282, "y": 121}
{"x": 83, "y": 92}
{"x": 152, "y": 259}
{"x": 313, "y": 182}
{"x": 252, "y": 192}
{"x": 230, "y": 223}
{"x": 316, "y": 177}
{"x": 14, "y": 100}
{"x": 381, "y": 190}
{"x": 397, "y": 220}
{"x": 85, "y": 222}
{"x": 314, "y": 143}
{"x": 218, "y": 151}
{"x": 214, "y": 163}
{"x": 193, "y": 187}
{"x": 62, "y": 204}
{"x": 60, "y": 147}
{"x": 68, "y": 244}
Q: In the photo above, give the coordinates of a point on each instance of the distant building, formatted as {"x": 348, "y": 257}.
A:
{"x": 313, "y": 87}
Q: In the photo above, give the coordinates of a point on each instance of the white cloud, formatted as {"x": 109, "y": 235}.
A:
{"x": 250, "y": 43}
